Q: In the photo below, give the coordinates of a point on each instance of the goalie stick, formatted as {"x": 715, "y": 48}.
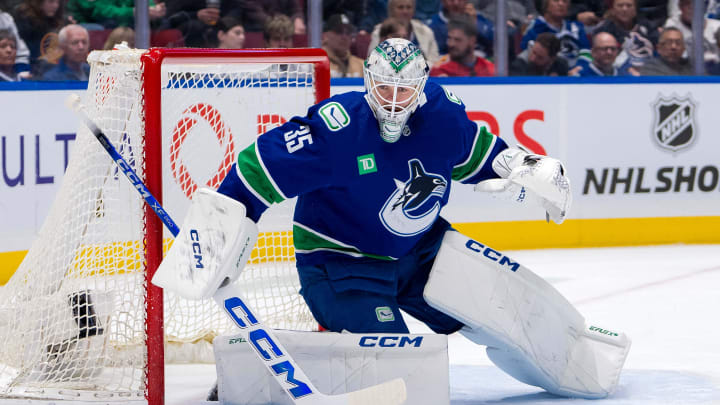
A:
{"x": 262, "y": 339}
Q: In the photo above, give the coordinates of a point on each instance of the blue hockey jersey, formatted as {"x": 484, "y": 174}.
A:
{"x": 574, "y": 42}
{"x": 359, "y": 196}
{"x": 588, "y": 69}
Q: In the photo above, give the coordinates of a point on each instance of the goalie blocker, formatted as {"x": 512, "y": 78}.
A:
{"x": 214, "y": 243}
{"x": 531, "y": 331}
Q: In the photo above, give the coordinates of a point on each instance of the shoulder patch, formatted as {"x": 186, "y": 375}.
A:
{"x": 451, "y": 96}
{"x": 335, "y": 116}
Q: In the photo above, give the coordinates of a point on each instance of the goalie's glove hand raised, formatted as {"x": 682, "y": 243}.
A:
{"x": 529, "y": 177}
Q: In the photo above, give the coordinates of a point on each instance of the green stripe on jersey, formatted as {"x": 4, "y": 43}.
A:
{"x": 482, "y": 147}
{"x": 306, "y": 240}
{"x": 256, "y": 177}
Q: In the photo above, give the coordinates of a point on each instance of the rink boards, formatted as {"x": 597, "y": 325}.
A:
{"x": 641, "y": 156}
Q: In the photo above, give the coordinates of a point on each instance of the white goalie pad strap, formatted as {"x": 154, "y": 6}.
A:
{"x": 529, "y": 177}
{"x": 336, "y": 363}
{"x": 214, "y": 243}
{"x": 532, "y": 332}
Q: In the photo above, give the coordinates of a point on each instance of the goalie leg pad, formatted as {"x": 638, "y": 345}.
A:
{"x": 532, "y": 332}
{"x": 337, "y": 363}
{"x": 213, "y": 245}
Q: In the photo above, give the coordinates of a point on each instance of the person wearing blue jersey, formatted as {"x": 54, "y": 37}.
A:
{"x": 540, "y": 59}
{"x": 453, "y": 9}
{"x": 573, "y": 38}
{"x": 371, "y": 172}
{"x": 604, "y": 52}
{"x": 637, "y": 38}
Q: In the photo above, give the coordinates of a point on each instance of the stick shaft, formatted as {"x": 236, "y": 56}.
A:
{"x": 130, "y": 174}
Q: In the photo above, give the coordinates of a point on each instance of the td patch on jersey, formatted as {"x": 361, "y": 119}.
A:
{"x": 415, "y": 204}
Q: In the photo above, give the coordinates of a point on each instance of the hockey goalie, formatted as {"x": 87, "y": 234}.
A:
{"x": 371, "y": 172}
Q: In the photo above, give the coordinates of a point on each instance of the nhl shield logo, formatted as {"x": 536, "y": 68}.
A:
{"x": 674, "y": 125}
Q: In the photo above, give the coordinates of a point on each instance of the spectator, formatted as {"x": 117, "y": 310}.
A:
{"x": 74, "y": 42}
{"x": 337, "y": 38}
{"x": 8, "y": 49}
{"x": 372, "y": 13}
{"x": 230, "y": 34}
{"x": 118, "y": 36}
{"x": 22, "y": 57}
{"x": 419, "y": 34}
{"x": 256, "y": 13}
{"x": 669, "y": 61}
{"x": 604, "y": 51}
{"x": 588, "y": 12}
{"x": 683, "y": 22}
{"x": 540, "y": 58}
{"x": 35, "y": 19}
{"x": 197, "y": 19}
{"x": 713, "y": 67}
{"x": 654, "y": 11}
{"x": 278, "y": 32}
{"x": 511, "y": 29}
{"x": 456, "y": 8}
{"x": 99, "y": 14}
{"x": 634, "y": 34}
{"x": 463, "y": 61}
{"x": 574, "y": 44}
{"x": 50, "y": 54}
{"x": 519, "y": 12}
{"x": 353, "y": 9}
{"x": 392, "y": 28}
{"x": 712, "y": 8}
{"x": 426, "y": 9}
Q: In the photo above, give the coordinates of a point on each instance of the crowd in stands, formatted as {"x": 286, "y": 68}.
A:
{"x": 50, "y": 39}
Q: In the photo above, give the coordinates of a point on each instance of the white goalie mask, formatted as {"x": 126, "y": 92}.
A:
{"x": 395, "y": 75}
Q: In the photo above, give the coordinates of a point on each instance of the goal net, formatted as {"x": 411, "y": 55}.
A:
{"x": 79, "y": 318}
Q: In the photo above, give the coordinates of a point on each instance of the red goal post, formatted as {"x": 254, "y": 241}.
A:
{"x": 152, "y": 62}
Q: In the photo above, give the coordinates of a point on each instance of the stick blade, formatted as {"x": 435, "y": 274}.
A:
{"x": 391, "y": 392}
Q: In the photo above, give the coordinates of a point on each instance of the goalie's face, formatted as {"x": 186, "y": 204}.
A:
{"x": 395, "y": 76}
{"x": 394, "y": 98}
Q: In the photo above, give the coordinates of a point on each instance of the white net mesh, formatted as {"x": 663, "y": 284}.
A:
{"x": 73, "y": 315}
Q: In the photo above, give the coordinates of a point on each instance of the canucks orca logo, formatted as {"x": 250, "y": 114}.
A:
{"x": 569, "y": 49}
{"x": 399, "y": 214}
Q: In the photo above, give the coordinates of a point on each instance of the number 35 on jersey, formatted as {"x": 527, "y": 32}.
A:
{"x": 295, "y": 140}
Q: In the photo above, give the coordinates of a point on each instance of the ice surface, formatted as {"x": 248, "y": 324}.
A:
{"x": 666, "y": 298}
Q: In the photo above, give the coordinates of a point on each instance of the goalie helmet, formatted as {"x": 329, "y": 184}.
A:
{"x": 395, "y": 75}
